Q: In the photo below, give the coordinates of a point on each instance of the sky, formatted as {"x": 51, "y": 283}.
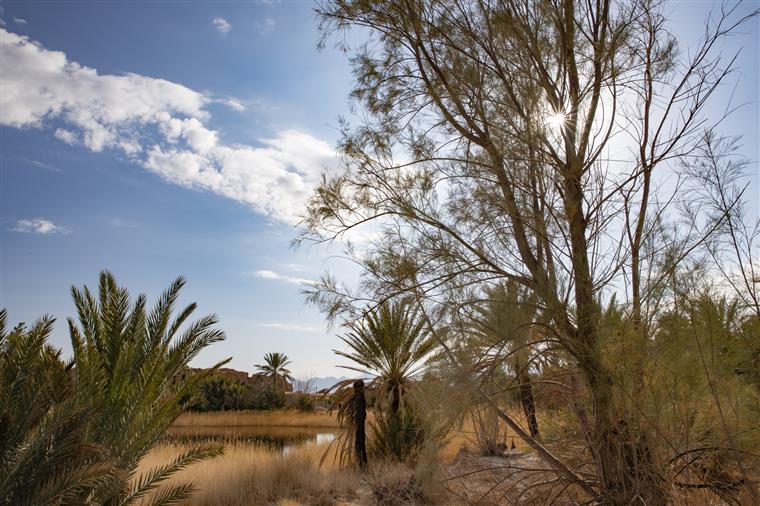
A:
{"x": 158, "y": 139}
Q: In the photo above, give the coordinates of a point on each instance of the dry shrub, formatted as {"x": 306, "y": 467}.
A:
{"x": 395, "y": 484}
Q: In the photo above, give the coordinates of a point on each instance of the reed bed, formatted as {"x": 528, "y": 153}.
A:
{"x": 275, "y": 418}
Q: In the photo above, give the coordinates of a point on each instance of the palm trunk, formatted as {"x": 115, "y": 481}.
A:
{"x": 360, "y": 414}
{"x": 528, "y": 404}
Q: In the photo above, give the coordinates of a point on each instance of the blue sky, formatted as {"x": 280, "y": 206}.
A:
{"x": 116, "y": 163}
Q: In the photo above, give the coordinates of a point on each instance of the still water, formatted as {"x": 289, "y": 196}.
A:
{"x": 278, "y": 439}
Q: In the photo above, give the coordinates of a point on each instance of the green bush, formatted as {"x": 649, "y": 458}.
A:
{"x": 266, "y": 397}
{"x": 304, "y": 403}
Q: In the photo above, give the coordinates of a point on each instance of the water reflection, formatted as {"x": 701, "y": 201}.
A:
{"x": 281, "y": 439}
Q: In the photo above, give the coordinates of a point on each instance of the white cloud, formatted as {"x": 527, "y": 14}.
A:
{"x": 66, "y": 136}
{"x": 266, "y": 26}
{"x": 264, "y": 274}
{"x": 222, "y": 25}
{"x": 232, "y": 103}
{"x": 158, "y": 124}
{"x": 38, "y": 226}
{"x": 289, "y": 326}
{"x": 19, "y": 21}
{"x": 120, "y": 223}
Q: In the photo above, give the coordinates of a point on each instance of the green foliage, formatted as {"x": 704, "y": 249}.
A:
{"x": 267, "y": 397}
{"x": 44, "y": 456}
{"x": 128, "y": 362}
{"x": 223, "y": 394}
{"x": 304, "y": 403}
{"x": 397, "y": 436}
{"x": 391, "y": 345}
{"x": 219, "y": 394}
{"x": 75, "y": 433}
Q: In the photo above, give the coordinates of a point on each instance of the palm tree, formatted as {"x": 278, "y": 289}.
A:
{"x": 44, "y": 456}
{"x": 503, "y": 327}
{"x": 390, "y": 344}
{"x": 274, "y": 367}
{"x": 129, "y": 363}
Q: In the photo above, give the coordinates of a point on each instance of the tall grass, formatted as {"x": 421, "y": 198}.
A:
{"x": 277, "y": 418}
{"x": 248, "y": 474}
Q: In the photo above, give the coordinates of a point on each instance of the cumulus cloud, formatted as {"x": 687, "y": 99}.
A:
{"x": 160, "y": 125}
{"x": 38, "y": 226}
{"x": 264, "y": 274}
{"x": 222, "y": 25}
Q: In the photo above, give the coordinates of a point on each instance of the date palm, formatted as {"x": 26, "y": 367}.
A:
{"x": 274, "y": 367}
{"x": 128, "y": 362}
{"x": 390, "y": 345}
{"x": 44, "y": 457}
{"x": 502, "y": 331}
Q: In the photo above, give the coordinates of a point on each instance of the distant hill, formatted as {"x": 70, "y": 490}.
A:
{"x": 316, "y": 384}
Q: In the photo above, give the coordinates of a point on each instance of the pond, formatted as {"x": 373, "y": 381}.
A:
{"x": 275, "y": 438}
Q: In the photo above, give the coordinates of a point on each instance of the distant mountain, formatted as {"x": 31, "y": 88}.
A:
{"x": 314, "y": 385}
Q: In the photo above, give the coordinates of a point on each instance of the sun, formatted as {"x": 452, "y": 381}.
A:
{"x": 556, "y": 120}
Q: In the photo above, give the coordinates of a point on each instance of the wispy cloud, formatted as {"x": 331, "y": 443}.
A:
{"x": 41, "y": 165}
{"x": 289, "y": 326}
{"x": 121, "y": 223}
{"x": 19, "y": 21}
{"x": 38, "y": 226}
{"x": 232, "y": 103}
{"x": 222, "y": 25}
{"x": 159, "y": 125}
{"x": 266, "y": 26}
{"x": 265, "y": 274}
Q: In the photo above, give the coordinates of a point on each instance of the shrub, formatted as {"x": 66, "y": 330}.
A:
{"x": 220, "y": 394}
{"x": 266, "y": 397}
{"x": 395, "y": 485}
{"x": 304, "y": 403}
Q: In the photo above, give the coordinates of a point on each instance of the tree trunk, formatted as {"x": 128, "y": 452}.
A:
{"x": 360, "y": 414}
{"x": 528, "y": 404}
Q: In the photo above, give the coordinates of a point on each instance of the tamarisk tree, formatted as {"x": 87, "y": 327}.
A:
{"x": 527, "y": 141}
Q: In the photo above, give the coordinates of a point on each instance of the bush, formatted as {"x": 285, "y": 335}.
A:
{"x": 220, "y": 394}
{"x": 267, "y": 397}
{"x": 304, "y": 403}
{"x": 397, "y": 436}
{"x": 395, "y": 485}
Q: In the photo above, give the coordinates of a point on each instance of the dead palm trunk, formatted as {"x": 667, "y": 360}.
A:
{"x": 360, "y": 412}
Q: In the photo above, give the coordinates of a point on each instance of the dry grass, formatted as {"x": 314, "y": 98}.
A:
{"x": 246, "y": 474}
{"x": 465, "y": 437}
{"x": 277, "y": 418}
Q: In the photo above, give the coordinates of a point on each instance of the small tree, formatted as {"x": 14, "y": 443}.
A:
{"x": 389, "y": 344}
